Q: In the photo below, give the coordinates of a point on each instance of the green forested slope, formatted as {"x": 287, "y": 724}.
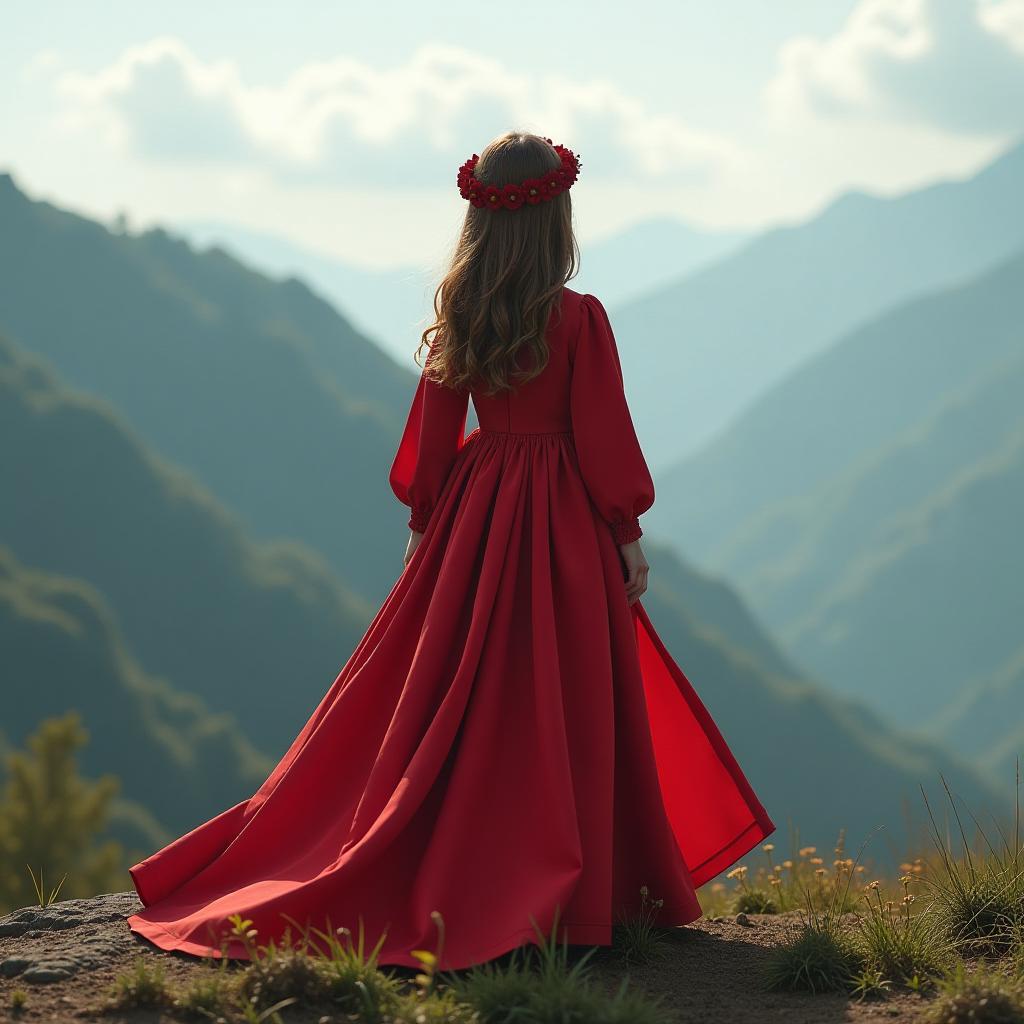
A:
{"x": 938, "y": 601}
{"x": 256, "y": 629}
{"x": 258, "y": 387}
{"x": 62, "y": 650}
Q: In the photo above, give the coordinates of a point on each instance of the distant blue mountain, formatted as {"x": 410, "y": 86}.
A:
{"x": 697, "y": 352}
{"x": 649, "y": 255}
{"x": 985, "y": 722}
{"x": 869, "y": 506}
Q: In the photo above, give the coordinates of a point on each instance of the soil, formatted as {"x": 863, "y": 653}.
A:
{"x": 67, "y": 957}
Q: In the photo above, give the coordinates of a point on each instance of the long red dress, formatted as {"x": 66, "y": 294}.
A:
{"x": 510, "y": 739}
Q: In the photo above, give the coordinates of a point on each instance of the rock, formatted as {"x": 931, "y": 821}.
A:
{"x": 43, "y": 972}
{"x": 13, "y": 965}
{"x": 742, "y": 919}
{"x": 57, "y": 942}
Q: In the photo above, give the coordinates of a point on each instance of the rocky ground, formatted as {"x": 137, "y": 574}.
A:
{"x": 67, "y": 956}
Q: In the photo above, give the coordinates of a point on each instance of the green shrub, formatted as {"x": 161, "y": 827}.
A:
{"x": 145, "y": 986}
{"x": 983, "y": 996}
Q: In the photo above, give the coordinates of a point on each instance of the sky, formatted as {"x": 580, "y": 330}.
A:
{"x": 341, "y": 125}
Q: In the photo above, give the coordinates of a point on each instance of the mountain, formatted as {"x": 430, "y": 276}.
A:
{"x": 256, "y": 629}
{"x": 649, "y": 255}
{"x": 802, "y": 548}
{"x": 849, "y": 503}
{"x": 386, "y": 304}
{"x": 938, "y": 600}
{"x": 395, "y": 305}
{"x": 842, "y": 406}
{"x": 259, "y": 388}
{"x": 696, "y": 353}
{"x": 985, "y": 721}
{"x": 63, "y": 650}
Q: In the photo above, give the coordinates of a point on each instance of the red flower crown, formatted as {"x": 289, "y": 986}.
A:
{"x": 531, "y": 191}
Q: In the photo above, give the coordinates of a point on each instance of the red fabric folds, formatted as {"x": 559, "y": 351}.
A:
{"x": 611, "y": 461}
{"x": 424, "y": 457}
{"x": 510, "y": 739}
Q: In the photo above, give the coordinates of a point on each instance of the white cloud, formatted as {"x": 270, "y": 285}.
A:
{"x": 347, "y": 122}
{"x": 956, "y": 65}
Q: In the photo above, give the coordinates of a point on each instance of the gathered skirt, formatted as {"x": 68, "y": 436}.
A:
{"x": 510, "y": 744}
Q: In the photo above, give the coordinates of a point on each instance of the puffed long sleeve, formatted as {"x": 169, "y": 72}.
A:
{"x": 434, "y": 434}
{"x": 611, "y": 462}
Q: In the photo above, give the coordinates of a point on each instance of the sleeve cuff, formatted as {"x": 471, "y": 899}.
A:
{"x": 627, "y": 530}
{"x": 418, "y": 519}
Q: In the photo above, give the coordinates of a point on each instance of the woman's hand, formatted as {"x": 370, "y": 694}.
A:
{"x": 410, "y": 547}
{"x": 637, "y": 569}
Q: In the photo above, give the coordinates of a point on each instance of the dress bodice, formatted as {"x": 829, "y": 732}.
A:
{"x": 542, "y": 404}
{"x": 578, "y": 397}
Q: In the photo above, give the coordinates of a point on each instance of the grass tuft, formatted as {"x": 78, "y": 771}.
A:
{"x": 638, "y": 939}
{"x": 982, "y": 996}
{"x": 145, "y": 986}
{"x": 978, "y": 894}
{"x": 538, "y": 985}
{"x": 823, "y": 958}
{"x": 210, "y": 994}
{"x": 903, "y": 946}
{"x": 19, "y": 1001}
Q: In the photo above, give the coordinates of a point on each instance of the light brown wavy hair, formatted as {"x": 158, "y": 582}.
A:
{"x": 505, "y": 278}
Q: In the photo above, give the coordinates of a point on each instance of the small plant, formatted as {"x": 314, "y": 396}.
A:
{"x": 747, "y": 898}
{"x": 344, "y": 972}
{"x": 538, "y": 984}
{"x": 145, "y": 986}
{"x": 1017, "y": 950}
{"x": 210, "y": 993}
{"x": 19, "y": 1000}
{"x": 431, "y": 1002}
{"x": 983, "y": 996}
{"x": 638, "y": 939}
{"x": 355, "y": 982}
{"x": 979, "y": 897}
{"x": 250, "y": 1015}
{"x": 899, "y": 944}
{"x": 499, "y": 992}
{"x": 283, "y": 974}
{"x": 823, "y": 958}
{"x": 773, "y": 887}
{"x": 870, "y": 982}
{"x": 41, "y": 898}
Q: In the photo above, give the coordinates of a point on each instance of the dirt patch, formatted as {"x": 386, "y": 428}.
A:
{"x": 67, "y": 957}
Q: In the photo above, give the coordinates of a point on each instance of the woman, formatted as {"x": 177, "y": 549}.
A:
{"x": 510, "y": 744}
